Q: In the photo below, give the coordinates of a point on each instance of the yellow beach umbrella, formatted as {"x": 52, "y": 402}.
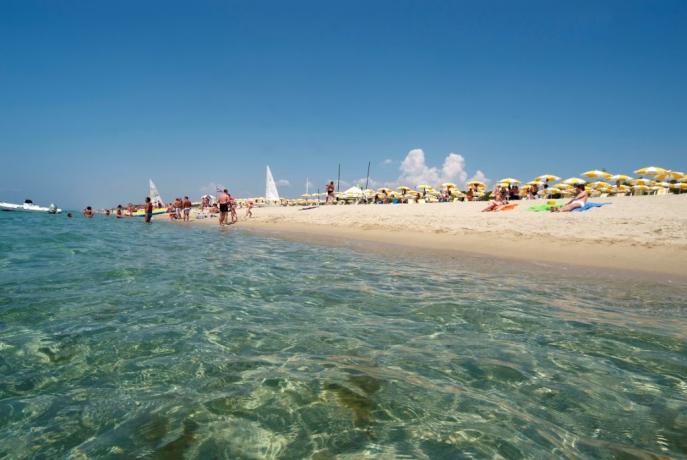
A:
{"x": 547, "y": 178}
{"x": 424, "y": 187}
{"x": 600, "y": 184}
{"x": 477, "y": 183}
{"x": 670, "y": 175}
{"x": 640, "y": 188}
{"x": 595, "y": 173}
{"x": 535, "y": 182}
{"x": 651, "y": 171}
{"x": 574, "y": 181}
{"x": 643, "y": 182}
{"x": 620, "y": 178}
{"x": 509, "y": 180}
{"x": 679, "y": 186}
{"x": 448, "y": 185}
{"x": 383, "y": 190}
{"x": 404, "y": 188}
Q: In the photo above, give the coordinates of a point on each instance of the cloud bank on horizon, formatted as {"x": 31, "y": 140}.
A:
{"x": 414, "y": 171}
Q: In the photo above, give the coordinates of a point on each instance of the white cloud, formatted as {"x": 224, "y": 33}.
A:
{"x": 480, "y": 176}
{"x": 387, "y": 162}
{"x": 284, "y": 183}
{"x": 415, "y": 171}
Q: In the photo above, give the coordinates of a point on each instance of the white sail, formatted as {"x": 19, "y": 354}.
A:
{"x": 153, "y": 193}
{"x": 271, "y": 193}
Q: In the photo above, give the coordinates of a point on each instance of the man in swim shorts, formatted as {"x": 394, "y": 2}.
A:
{"x": 149, "y": 210}
{"x": 187, "y": 209}
{"x": 223, "y": 200}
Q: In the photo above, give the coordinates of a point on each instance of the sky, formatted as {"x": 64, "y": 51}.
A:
{"x": 96, "y": 97}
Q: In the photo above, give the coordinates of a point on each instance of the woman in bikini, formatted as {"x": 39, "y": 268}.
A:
{"x": 577, "y": 202}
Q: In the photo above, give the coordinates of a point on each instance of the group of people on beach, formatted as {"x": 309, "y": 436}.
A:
{"x": 180, "y": 209}
{"x": 502, "y": 194}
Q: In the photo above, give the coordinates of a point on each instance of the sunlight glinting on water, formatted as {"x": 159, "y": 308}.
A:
{"x": 118, "y": 338}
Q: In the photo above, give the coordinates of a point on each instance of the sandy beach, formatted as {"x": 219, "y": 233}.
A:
{"x": 645, "y": 233}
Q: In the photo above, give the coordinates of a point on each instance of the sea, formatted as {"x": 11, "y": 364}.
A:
{"x": 120, "y": 339}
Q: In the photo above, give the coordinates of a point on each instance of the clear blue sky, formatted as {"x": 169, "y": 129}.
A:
{"x": 95, "y": 96}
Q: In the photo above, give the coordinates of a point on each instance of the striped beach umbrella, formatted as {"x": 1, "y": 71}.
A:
{"x": 547, "y": 178}
{"x": 620, "y": 178}
{"x": 509, "y": 181}
{"x": 642, "y": 182}
{"x": 651, "y": 171}
{"x": 596, "y": 174}
{"x": 477, "y": 183}
{"x": 574, "y": 181}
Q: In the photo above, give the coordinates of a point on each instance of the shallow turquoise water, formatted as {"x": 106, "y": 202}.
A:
{"x": 119, "y": 339}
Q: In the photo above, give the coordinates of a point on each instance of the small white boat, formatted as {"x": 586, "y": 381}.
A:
{"x": 28, "y": 206}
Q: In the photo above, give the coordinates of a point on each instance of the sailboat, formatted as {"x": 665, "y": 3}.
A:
{"x": 271, "y": 193}
{"x": 158, "y": 204}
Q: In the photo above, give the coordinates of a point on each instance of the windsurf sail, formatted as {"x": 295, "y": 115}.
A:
{"x": 271, "y": 193}
{"x": 153, "y": 193}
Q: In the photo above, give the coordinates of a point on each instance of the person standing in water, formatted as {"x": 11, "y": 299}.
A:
{"x": 232, "y": 209}
{"x": 223, "y": 200}
{"x": 187, "y": 208}
{"x": 88, "y": 212}
{"x": 148, "y": 210}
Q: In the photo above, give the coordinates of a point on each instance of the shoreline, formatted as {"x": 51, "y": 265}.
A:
{"x": 534, "y": 251}
{"x": 632, "y": 235}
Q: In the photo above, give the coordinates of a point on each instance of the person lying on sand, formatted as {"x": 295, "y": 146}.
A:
{"x": 577, "y": 202}
{"x": 499, "y": 200}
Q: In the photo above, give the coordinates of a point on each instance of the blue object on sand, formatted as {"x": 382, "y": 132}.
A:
{"x": 589, "y": 205}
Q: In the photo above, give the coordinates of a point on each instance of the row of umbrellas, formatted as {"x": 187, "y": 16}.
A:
{"x": 660, "y": 177}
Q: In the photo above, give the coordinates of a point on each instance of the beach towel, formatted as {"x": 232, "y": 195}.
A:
{"x": 506, "y": 207}
{"x": 589, "y": 205}
{"x": 540, "y": 208}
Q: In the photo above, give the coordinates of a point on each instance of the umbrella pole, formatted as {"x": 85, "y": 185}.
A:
{"x": 367, "y": 180}
{"x": 338, "y": 179}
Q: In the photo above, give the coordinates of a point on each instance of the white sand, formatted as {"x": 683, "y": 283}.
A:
{"x": 646, "y": 233}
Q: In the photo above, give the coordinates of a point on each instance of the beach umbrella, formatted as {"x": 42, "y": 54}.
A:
{"x": 620, "y": 178}
{"x": 651, "y": 171}
{"x": 670, "y": 175}
{"x": 383, "y": 190}
{"x": 547, "y": 178}
{"x": 404, "y": 188}
{"x": 643, "y": 188}
{"x": 509, "y": 181}
{"x": 424, "y": 187}
{"x": 535, "y": 182}
{"x": 595, "y": 173}
{"x": 477, "y": 183}
{"x": 600, "y": 184}
{"x": 679, "y": 186}
{"x": 574, "y": 181}
{"x": 643, "y": 182}
{"x": 448, "y": 185}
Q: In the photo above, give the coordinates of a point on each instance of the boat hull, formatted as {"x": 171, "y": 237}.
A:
{"x": 28, "y": 208}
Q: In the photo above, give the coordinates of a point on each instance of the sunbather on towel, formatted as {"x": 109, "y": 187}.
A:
{"x": 499, "y": 200}
{"x": 577, "y": 202}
